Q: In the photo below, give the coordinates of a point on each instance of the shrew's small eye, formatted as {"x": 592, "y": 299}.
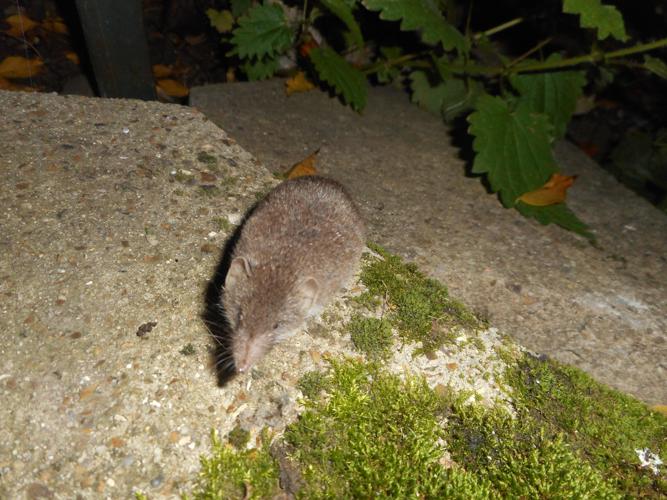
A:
{"x": 276, "y": 325}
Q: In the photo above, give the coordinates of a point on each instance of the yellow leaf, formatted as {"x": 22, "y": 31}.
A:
{"x": 55, "y": 24}
{"x": 173, "y": 88}
{"x": 19, "y": 24}
{"x": 160, "y": 70}
{"x": 303, "y": 168}
{"x": 298, "y": 83}
{"x": 222, "y": 20}
{"x": 72, "y": 56}
{"x": 20, "y": 67}
{"x": 554, "y": 191}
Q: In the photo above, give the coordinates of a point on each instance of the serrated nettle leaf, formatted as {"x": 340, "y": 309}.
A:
{"x": 388, "y": 73}
{"x": 424, "y": 94}
{"x": 606, "y": 19}
{"x": 262, "y": 32}
{"x": 460, "y": 97}
{"x": 347, "y": 81}
{"x": 449, "y": 98}
{"x": 554, "y": 93}
{"x": 240, "y": 7}
{"x": 343, "y": 11}
{"x": 260, "y": 69}
{"x": 558, "y": 214}
{"x": 423, "y": 16}
{"x": 655, "y": 65}
{"x": 512, "y": 146}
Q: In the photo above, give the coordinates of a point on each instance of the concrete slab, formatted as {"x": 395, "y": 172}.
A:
{"x": 113, "y": 216}
{"x": 109, "y": 225}
{"x": 603, "y": 309}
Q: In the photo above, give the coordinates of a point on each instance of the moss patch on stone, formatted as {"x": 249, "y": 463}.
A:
{"x": 371, "y": 433}
{"x": 238, "y": 437}
{"x": 312, "y": 383}
{"x": 519, "y": 459}
{"x": 601, "y": 424}
{"x": 371, "y": 336}
{"x": 374, "y": 435}
{"x": 232, "y": 473}
{"x": 366, "y": 432}
{"x": 207, "y": 159}
{"x": 419, "y": 307}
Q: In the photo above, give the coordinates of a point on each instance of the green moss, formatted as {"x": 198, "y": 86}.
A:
{"x": 238, "y": 437}
{"x": 373, "y": 435}
{"x": 188, "y": 350}
{"x": 183, "y": 177}
{"x": 311, "y": 383}
{"x": 206, "y": 158}
{"x": 518, "y": 459}
{"x": 367, "y": 433}
{"x": 230, "y": 473}
{"x": 223, "y": 224}
{"x": 372, "y": 336}
{"x": 419, "y": 307}
{"x": 601, "y": 424}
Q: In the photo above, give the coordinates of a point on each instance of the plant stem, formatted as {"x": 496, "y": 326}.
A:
{"x": 374, "y": 68}
{"x": 499, "y": 28}
{"x": 529, "y": 52}
{"x": 592, "y": 57}
{"x": 305, "y": 9}
{"x": 513, "y": 67}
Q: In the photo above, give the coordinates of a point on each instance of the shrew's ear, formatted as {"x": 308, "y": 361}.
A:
{"x": 239, "y": 271}
{"x": 306, "y": 294}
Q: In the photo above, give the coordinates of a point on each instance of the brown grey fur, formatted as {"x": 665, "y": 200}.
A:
{"x": 297, "y": 248}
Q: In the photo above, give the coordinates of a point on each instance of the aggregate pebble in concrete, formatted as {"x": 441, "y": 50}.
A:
{"x": 603, "y": 309}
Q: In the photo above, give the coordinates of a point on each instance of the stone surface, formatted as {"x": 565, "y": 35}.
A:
{"x": 602, "y": 308}
{"x": 113, "y": 217}
{"x": 108, "y": 239}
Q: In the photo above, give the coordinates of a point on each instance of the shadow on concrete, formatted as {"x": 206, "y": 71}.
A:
{"x": 214, "y": 305}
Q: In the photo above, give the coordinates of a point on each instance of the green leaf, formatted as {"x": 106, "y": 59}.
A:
{"x": 557, "y": 214}
{"x": 605, "y": 18}
{"x": 388, "y": 73}
{"x": 655, "y": 65}
{"x": 263, "y": 32}
{"x": 346, "y": 81}
{"x": 422, "y": 15}
{"x": 513, "y": 147}
{"x": 221, "y": 20}
{"x": 424, "y": 94}
{"x": 554, "y": 93}
{"x": 343, "y": 11}
{"x": 240, "y": 7}
{"x": 260, "y": 69}
{"x": 449, "y": 98}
